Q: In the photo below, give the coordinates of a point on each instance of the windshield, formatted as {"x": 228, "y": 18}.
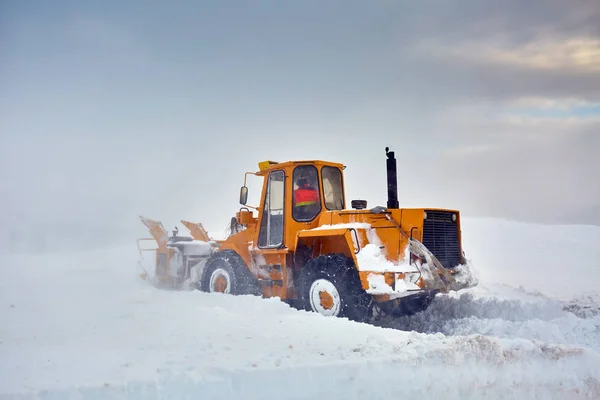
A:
{"x": 306, "y": 200}
{"x": 332, "y": 188}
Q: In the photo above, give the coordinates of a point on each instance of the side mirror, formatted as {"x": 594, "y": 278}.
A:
{"x": 243, "y": 195}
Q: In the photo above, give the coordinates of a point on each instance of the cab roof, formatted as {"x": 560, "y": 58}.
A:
{"x": 266, "y": 166}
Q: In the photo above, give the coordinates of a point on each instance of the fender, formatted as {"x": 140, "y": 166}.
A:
{"x": 326, "y": 241}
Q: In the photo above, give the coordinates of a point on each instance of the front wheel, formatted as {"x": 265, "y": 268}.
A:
{"x": 330, "y": 285}
{"x": 227, "y": 273}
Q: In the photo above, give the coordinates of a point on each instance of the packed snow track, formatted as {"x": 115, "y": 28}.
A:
{"x": 81, "y": 325}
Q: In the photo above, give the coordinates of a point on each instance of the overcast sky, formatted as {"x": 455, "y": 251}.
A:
{"x": 114, "y": 109}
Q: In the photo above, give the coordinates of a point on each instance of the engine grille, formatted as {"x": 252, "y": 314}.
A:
{"x": 441, "y": 237}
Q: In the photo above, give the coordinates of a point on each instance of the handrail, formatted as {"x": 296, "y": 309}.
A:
{"x": 357, "y": 240}
{"x": 140, "y": 249}
{"x": 140, "y": 262}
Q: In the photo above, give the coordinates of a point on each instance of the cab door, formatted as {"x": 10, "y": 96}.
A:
{"x": 269, "y": 253}
{"x": 270, "y": 233}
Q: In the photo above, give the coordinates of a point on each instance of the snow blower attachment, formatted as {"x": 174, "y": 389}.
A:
{"x": 176, "y": 257}
{"x": 302, "y": 245}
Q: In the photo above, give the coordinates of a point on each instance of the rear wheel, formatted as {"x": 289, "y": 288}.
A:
{"x": 330, "y": 285}
{"x": 227, "y": 273}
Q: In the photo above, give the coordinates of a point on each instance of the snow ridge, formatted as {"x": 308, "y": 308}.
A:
{"x": 81, "y": 325}
{"x": 470, "y": 313}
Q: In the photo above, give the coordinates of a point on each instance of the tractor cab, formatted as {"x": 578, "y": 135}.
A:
{"x": 296, "y": 196}
{"x": 297, "y": 192}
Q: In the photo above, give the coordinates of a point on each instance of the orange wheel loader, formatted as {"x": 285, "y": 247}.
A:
{"x": 302, "y": 243}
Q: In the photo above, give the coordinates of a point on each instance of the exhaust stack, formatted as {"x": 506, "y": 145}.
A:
{"x": 392, "y": 179}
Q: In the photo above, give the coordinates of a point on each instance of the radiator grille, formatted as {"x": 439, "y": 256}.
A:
{"x": 441, "y": 237}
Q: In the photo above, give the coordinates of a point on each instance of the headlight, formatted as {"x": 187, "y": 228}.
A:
{"x": 424, "y": 214}
{"x": 454, "y": 217}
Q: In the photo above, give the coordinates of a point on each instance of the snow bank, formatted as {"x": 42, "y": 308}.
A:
{"x": 81, "y": 325}
{"x": 515, "y": 315}
{"x": 560, "y": 261}
{"x": 457, "y": 372}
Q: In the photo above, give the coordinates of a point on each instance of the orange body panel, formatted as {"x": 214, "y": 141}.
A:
{"x": 197, "y": 230}
{"x": 158, "y": 232}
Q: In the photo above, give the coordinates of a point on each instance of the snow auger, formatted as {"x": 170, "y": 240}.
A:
{"x": 303, "y": 245}
{"x": 176, "y": 256}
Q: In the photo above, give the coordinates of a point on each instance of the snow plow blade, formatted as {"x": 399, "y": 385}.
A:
{"x": 435, "y": 276}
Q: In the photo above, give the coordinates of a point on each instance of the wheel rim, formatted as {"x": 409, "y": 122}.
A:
{"x": 325, "y": 298}
{"x": 220, "y": 281}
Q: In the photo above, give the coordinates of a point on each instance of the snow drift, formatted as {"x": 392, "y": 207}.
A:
{"x": 81, "y": 325}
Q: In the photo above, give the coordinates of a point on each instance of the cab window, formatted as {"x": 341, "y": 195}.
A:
{"x": 333, "y": 190}
{"x": 271, "y": 224}
{"x": 306, "y": 202}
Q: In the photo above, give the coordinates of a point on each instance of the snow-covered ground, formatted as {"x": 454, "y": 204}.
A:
{"x": 81, "y": 325}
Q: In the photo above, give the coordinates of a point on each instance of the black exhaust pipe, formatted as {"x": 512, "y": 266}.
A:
{"x": 392, "y": 179}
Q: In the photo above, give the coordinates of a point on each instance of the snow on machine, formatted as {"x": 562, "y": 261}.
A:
{"x": 303, "y": 245}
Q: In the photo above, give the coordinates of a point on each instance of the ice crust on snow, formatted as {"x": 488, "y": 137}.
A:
{"x": 81, "y": 325}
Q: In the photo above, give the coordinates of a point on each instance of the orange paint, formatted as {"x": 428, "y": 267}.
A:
{"x": 220, "y": 284}
{"x": 326, "y": 300}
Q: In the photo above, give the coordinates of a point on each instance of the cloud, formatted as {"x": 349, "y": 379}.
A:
{"x": 110, "y": 112}
{"x": 575, "y": 54}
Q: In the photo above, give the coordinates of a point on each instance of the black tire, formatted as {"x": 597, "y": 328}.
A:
{"x": 240, "y": 279}
{"x": 415, "y": 304}
{"x": 355, "y": 303}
